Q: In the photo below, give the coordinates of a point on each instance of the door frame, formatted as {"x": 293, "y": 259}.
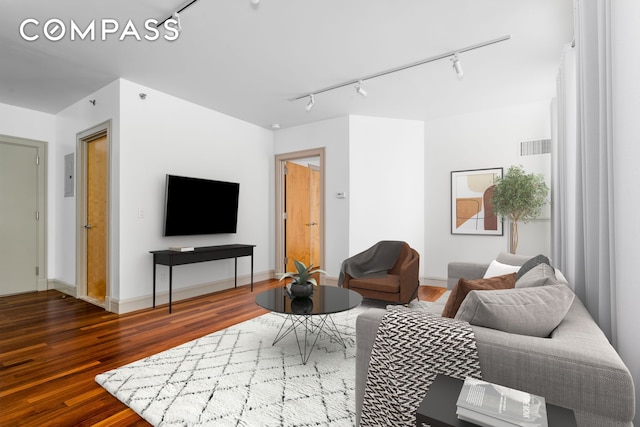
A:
{"x": 82, "y": 139}
{"x": 41, "y": 148}
{"x": 281, "y": 160}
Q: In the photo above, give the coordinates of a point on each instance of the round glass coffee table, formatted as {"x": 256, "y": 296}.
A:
{"x": 313, "y": 314}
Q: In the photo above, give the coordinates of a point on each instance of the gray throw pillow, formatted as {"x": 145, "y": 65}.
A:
{"x": 540, "y": 275}
{"x": 536, "y": 260}
{"x": 527, "y": 311}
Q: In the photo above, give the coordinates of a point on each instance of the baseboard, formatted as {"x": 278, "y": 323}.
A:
{"x": 63, "y": 287}
{"x": 133, "y": 304}
{"x": 433, "y": 281}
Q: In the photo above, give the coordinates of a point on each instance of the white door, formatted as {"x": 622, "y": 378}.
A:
{"x": 19, "y": 217}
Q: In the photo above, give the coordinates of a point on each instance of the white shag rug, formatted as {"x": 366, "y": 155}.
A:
{"x": 235, "y": 377}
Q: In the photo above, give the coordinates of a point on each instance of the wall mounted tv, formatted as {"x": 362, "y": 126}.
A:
{"x": 200, "y": 206}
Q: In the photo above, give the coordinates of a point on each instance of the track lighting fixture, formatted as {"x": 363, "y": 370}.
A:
{"x": 312, "y": 101}
{"x": 177, "y": 13}
{"x": 358, "y": 82}
{"x": 176, "y": 16}
{"x": 457, "y": 66}
{"x": 359, "y": 90}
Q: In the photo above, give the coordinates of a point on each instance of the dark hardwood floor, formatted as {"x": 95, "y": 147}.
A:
{"x": 52, "y": 346}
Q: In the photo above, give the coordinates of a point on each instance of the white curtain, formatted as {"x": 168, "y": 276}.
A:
{"x": 583, "y": 230}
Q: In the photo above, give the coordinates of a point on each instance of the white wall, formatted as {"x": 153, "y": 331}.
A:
{"x": 166, "y": 135}
{"x": 333, "y": 134}
{"x": 626, "y": 128}
{"x": 30, "y": 124}
{"x": 480, "y": 140}
{"x": 386, "y": 182}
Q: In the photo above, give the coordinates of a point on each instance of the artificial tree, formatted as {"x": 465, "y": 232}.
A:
{"x": 519, "y": 196}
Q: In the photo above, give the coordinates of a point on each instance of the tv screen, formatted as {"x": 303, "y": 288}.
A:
{"x": 200, "y": 206}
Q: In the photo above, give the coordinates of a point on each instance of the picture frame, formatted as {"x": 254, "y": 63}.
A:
{"x": 471, "y": 212}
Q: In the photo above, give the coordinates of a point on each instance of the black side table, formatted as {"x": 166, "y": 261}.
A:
{"x": 438, "y": 408}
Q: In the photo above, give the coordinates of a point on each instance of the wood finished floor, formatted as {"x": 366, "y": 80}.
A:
{"x": 52, "y": 346}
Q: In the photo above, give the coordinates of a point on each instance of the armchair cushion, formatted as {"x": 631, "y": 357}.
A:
{"x": 390, "y": 283}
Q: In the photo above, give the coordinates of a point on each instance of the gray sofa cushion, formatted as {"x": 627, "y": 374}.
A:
{"x": 540, "y": 275}
{"x": 527, "y": 311}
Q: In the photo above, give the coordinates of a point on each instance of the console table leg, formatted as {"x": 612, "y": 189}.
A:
{"x": 170, "y": 286}
{"x": 154, "y": 283}
{"x": 251, "y": 271}
{"x": 235, "y": 275}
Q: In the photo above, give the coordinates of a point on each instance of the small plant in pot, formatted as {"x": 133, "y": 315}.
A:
{"x": 301, "y": 281}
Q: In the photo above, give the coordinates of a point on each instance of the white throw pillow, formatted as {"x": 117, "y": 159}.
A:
{"x": 498, "y": 269}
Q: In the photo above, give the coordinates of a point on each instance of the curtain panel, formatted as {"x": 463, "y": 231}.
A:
{"x": 583, "y": 237}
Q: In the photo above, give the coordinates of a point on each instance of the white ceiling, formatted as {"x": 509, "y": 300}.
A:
{"x": 247, "y": 61}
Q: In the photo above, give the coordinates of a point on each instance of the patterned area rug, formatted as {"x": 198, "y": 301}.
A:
{"x": 235, "y": 377}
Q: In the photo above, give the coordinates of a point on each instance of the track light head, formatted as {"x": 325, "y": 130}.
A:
{"x": 310, "y": 104}
{"x": 457, "y": 66}
{"x": 176, "y": 16}
{"x": 360, "y": 90}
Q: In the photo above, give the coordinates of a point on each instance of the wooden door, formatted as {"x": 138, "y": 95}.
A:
{"x": 96, "y": 221}
{"x": 18, "y": 219}
{"x": 302, "y": 206}
{"x": 314, "y": 215}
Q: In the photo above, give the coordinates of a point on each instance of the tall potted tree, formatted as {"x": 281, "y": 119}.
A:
{"x": 519, "y": 196}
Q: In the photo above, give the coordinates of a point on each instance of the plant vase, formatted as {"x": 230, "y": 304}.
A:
{"x": 301, "y": 290}
{"x": 301, "y": 305}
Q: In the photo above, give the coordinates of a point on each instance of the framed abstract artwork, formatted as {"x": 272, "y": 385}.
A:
{"x": 471, "y": 210}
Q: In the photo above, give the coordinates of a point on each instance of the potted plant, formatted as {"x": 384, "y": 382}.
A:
{"x": 301, "y": 281}
{"x": 519, "y": 196}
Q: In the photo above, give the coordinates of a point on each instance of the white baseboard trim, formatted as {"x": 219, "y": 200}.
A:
{"x": 65, "y": 288}
{"x": 133, "y": 304}
{"x": 433, "y": 281}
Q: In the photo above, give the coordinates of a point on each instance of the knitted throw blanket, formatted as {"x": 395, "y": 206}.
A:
{"x": 411, "y": 348}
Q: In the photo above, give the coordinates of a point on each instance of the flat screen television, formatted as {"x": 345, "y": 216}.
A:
{"x": 200, "y": 206}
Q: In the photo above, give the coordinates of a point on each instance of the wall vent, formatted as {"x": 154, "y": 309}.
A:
{"x": 532, "y": 148}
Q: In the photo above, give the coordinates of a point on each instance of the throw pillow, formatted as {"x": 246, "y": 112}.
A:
{"x": 498, "y": 269}
{"x": 526, "y": 311}
{"x": 463, "y": 287}
{"x": 536, "y": 260}
{"x": 512, "y": 259}
{"x": 540, "y": 275}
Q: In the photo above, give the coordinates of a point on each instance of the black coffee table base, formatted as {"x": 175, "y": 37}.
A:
{"x": 313, "y": 325}
{"x": 306, "y": 317}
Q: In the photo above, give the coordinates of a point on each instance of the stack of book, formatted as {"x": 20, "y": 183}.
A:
{"x": 491, "y": 405}
{"x": 181, "y": 248}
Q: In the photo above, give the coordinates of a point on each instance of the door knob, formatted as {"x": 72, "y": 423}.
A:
{"x": 88, "y": 226}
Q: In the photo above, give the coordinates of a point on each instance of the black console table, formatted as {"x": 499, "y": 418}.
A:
{"x": 202, "y": 254}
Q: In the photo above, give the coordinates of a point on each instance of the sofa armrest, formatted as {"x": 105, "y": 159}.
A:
{"x": 575, "y": 368}
{"x": 366, "y": 330}
{"x": 467, "y": 270}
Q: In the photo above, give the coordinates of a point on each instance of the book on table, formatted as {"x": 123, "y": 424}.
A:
{"x": 182, "y": 248}
{"x": 493, "y": 405}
